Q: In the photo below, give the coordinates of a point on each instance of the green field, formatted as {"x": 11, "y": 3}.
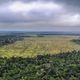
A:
{"x": 40, "y": 58}
{"x": 32, "y": 46}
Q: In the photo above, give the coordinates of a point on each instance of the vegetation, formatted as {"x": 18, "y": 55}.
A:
{"x": 64, "y": 66}
{"x": 5, "y": 40}
{"x": 33, "y": 46}
{"x": 77, "y": 41}
{"x": 39, "y": 58}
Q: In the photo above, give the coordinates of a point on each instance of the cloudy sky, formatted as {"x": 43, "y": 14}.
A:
{"x": 40, "y": 15}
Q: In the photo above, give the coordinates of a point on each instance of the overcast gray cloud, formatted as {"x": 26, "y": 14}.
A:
{"x": 40, "y": 15}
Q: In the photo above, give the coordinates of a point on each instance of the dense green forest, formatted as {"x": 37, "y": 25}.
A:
{"x": 63, "y": 66}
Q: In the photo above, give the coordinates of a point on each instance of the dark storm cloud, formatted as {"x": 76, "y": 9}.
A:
{"x": 70, "y": 2}
{"x": 73, "y": 2}
{"x": 17, "y": 12}
{"x": 40, "y": 14}
{"x": 67, "y": 2}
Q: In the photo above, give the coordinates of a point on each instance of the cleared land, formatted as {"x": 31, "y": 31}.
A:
{"x": 33, "y": 46}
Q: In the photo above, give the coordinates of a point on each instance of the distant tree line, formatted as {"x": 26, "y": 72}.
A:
{"x": 4, "y": 40}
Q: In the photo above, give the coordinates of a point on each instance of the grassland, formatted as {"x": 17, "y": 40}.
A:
{"x": 40, "y": 58}
{"x": 33, "y": 46}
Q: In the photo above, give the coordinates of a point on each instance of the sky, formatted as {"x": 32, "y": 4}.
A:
{"x": 40, "y": 15}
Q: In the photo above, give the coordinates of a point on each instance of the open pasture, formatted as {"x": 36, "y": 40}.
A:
{"x": 32, "y": 46}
